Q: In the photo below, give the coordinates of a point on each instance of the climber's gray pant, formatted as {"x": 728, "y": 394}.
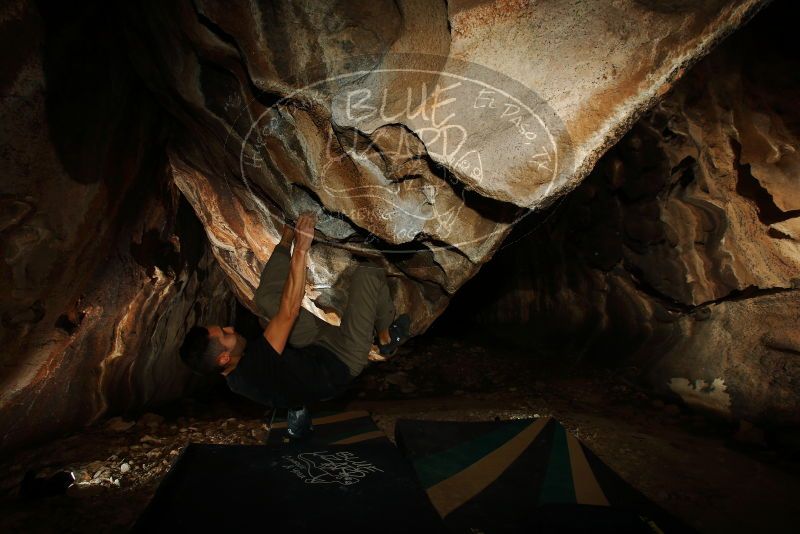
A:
{"x": 369, "y": 309}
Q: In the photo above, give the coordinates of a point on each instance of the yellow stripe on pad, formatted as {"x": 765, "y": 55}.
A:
{"x": 452, "y": 492}
{"x": 360, "y": 437}
{"x": 335, "y": 418}
{"x": 587, "y": 490}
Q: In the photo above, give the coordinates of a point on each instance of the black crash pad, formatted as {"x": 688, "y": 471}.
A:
{"x": 363, "y": 485}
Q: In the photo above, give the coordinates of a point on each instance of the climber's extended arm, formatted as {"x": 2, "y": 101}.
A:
{"x": 278, "y": 330}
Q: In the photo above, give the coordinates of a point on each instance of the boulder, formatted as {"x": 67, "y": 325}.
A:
{"x": 678, "y": 255}
{"x": 419, "y": 132}
{"x": 152, "y": 150}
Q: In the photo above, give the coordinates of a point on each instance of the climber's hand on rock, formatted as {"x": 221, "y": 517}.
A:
{"x": 304, "y": 231}
{"x": 287, "y": 234}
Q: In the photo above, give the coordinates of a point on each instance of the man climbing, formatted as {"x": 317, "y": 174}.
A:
{"x": 299, "y": 358}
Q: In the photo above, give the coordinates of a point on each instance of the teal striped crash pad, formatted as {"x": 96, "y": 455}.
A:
{"x": 526, "y": 475}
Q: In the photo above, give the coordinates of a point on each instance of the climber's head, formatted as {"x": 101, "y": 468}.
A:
{"x": 212, "y": 349}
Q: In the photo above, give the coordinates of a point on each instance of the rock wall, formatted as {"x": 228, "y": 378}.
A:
{"x": 104, "y": 264}
{"x": 680, "y": 254}
{"x": 421, "y": 132}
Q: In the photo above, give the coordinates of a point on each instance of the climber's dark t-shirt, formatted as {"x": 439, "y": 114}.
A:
{"x": 298, "y": 376}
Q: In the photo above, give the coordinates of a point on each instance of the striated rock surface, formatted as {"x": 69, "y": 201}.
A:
{"x": 104, "y": 265}
{"x": 680, "y": 253}
{"x": 151, "y": 151}
{"x": 419, "y": 131}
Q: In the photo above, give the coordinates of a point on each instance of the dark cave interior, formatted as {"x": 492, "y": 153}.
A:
{"x": 646, "y": 300}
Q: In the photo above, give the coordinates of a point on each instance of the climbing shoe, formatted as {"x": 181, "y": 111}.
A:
{"x": 398, "y": 334}
{"x": 298, "y": 422}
